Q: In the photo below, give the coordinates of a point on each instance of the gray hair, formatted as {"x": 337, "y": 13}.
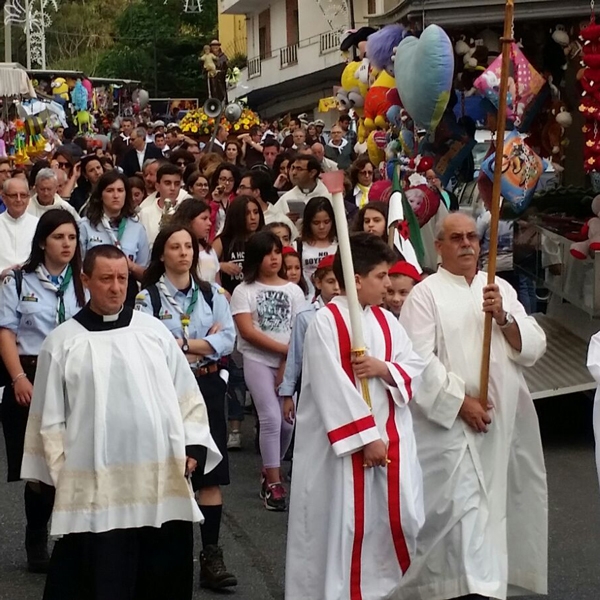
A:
{"x": 44, "y": 174}
{"x": 7, "y": 183}
{"x": 147, "y": 163}
{"x": 440, "y": 228}
{"x": 141, "y": 132}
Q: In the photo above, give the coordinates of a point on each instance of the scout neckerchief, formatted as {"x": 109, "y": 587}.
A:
{"x": 115, "y": 239}
{"x": 59, "y": 290}
{"x": 185, "y": 316}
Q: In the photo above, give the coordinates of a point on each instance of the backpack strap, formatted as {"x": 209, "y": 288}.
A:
{"x": 154, "y": 299}
{"x": 18, "y": 274}
{"x": 207, "y": 293}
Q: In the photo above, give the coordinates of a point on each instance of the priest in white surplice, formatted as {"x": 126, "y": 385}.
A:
{"x": 485, "y": 532}
{"x": 356, "y": 500}
{"x": 116, "y": 423}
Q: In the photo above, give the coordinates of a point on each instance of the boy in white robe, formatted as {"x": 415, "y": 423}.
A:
{"x": 116, "y": 424}
{"x": 356, "y": 501}
{"x": 484, "y": 480}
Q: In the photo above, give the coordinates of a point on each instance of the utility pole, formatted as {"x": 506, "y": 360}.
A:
{"x": 7, "y": 32}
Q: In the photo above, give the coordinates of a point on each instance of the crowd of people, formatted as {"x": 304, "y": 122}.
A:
{"x": 157, "y": 293}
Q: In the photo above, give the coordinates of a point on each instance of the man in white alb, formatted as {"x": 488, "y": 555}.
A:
{"x": 484, "y": 480}
{"x": 46, "y": 195}
{"x": 17, "y": 226}
{"x": 117, "y": 425}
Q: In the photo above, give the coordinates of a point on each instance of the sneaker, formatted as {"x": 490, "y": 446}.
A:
{"x": 275, "y": 497}
{"x": 36, "y": 546}
{"x": 263, "y": 484}
{"x": 213, "y": 572}
{"x": 234, "y": 441}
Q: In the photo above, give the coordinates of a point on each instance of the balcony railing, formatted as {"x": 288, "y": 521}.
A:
{"x": 254, "y": 67}
{"x": 288, "y": 56}
{"x": 329, "y": 42}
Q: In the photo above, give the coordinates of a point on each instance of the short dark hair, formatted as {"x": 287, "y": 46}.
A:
{"x": 167, "y": 169}
{"x": 344, "y": 118}
{"x": 101, "y": 251}
{"x": 271, "y": 142}
{"x": 367, "y": 251}
{"x": 261, "y": 181}
{"x": 159, "y": 134}
{"x": 254, "y": 130}
{"x": 257, "y": 247}
{"x": 312, "y": 164}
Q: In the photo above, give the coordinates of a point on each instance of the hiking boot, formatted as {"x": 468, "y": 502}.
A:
{"x": 234, "y": 441}
{"x": 213, "y": 572}
{"x": 36, "y": 546}
{"x": 275, "y": 497}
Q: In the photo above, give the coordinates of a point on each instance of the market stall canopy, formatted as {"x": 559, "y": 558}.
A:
{"x": 98, "y": 81}
{"x": 14, "y": 81}
{"x": 459, "y": 12}
{"x": 52, "y": 74}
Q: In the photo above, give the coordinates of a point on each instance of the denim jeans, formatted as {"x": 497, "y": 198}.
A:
{"x": 526, "y": 294}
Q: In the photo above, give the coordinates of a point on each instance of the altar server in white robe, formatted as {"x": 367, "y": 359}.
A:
{"x": 356, "y": 499}
{"x": 117, "y": 424}
{"x": 484, "y": 480}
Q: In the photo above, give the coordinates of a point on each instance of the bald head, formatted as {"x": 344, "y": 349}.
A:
{"x": 457, "y": 242}
{"x": 318, "y": 151}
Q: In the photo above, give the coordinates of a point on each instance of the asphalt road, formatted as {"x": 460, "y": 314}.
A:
{"x": 254, "y": 539}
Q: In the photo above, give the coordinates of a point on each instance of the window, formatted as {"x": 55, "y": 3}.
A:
{"x": 292, "y": 22}
{"x": 264, "y": 34}
{"x": 371, "y": 7}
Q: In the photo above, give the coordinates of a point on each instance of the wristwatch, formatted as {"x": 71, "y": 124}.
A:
{"x": 185, "y": 347}
{"x": 509, "y": 321}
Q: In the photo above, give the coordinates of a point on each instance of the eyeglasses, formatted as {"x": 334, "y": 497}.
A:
{"x": 457, "y": 238}
{"x": 15, "y": 196}
{"x": 226, "y": 180}
{"x": 181, "y": 163}
{"x": 202, "y": 185}
{"x": 9, "y": 170}
{"x": 244, "y": 187}
{"x": 367, "y": 172}
{"x": 63, "y": 165}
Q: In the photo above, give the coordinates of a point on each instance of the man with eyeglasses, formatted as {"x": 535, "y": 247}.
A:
{"x": 140, "y": 151}
{"x": 304, "y": 175}
{"x": 339, "y": 149}
{"x": 17, "y": 226}
{"x": 5, "y": 173}
{"x": 484, "y": 480}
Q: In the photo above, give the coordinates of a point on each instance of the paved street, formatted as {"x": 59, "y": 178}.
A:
{"x": 255, "y": 539}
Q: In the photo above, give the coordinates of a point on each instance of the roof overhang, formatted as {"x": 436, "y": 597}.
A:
{"x": 479, "y": 12}
{"x": 269, "y": 96}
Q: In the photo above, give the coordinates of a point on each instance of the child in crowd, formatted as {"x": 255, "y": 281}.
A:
{"x": 282, "y": 231}
{"x": 403, "y": 277}
{"x": 327, "y": 288}
{"x": 264, "y": 307}
{"x": 318, "y": 237}
{"x": 293, "y": 268}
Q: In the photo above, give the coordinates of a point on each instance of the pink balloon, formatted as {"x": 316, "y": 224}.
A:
{"x": 87, "y": 84}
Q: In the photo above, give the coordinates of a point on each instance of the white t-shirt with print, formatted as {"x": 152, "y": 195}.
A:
{"x": 273, "y": 309}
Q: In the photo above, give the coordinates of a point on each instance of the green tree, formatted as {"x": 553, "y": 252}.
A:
{"x": 159, "y": 44}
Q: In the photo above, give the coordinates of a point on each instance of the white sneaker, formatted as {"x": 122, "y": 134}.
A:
{"x": 234, "y": 441}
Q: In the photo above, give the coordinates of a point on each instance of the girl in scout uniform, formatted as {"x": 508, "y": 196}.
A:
{"x": 45, "y": 292}
{"x": 197, "y": 314}
{"x": 111, "y": 219}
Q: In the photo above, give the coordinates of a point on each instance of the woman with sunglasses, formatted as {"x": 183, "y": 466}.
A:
{"x": 362, "y": 172}
{"x": 198, "y": 316}
{"x": 45, "y": 292}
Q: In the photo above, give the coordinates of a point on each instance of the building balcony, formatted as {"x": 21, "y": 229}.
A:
{"x": 282, "y": 64}
{"x": 243, "y": 7}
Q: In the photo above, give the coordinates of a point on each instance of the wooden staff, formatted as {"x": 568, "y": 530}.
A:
{"x": 507, "y": 40}
{"x": 335, "y": 184}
